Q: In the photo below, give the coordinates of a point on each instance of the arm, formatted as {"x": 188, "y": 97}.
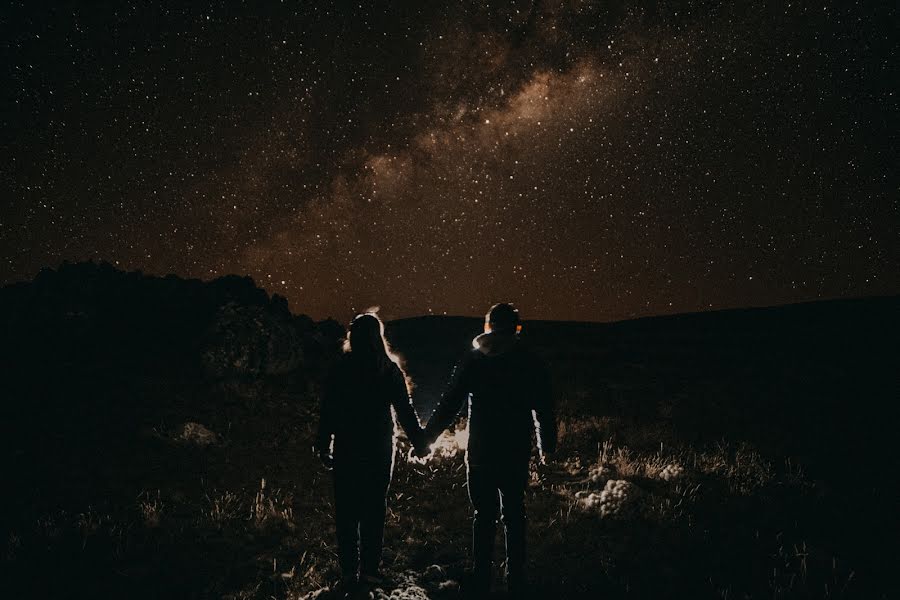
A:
{"x": 327, "y": 414}
{"x": 543, "y": 410}
{"x": 404, "y": 409}
{"x": 452, "y": 401}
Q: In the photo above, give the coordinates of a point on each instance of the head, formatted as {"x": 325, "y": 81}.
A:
{"x": 502, "y": 318}
{"x": 366, "y": 335}
{"x": 365, "y": 339}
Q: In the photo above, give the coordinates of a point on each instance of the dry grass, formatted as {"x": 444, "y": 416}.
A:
{"x": 222, "y": 508}
{"x": 713, "y": 520}
{"x": 151, "y": 507}
{"x": 271, "y": 506}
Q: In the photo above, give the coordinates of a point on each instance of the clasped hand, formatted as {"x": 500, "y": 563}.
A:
{"x": 422, "y": 443}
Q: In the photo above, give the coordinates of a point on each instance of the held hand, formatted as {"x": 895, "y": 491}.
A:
{"x": 419, "y": 455}
{"x": 421, "y": 445}
{"x": 421, "y": 451}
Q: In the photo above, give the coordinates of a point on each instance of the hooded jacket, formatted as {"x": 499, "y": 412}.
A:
{"x": 508, "y": 389}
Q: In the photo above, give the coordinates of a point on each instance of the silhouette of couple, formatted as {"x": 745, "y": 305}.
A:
{"x": 508, "y": 391}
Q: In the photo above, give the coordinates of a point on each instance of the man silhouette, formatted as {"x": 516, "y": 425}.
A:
{"x": 508, "y": 392}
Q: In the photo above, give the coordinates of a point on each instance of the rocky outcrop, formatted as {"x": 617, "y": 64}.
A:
{"x": 93, "y": 316}
{"x": 249, "y": 340}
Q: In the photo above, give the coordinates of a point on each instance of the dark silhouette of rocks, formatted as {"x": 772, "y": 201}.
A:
{"x": 93, "y": 316}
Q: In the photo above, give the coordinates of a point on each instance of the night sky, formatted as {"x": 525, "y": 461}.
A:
{"x": 583, "y": 159}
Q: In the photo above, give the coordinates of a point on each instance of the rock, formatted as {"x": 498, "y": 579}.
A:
{"x": 196, "y": 434}
{"x": 251, "y": 340}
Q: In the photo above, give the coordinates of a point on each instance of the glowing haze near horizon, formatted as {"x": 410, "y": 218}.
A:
{"x": 583, "y": 159}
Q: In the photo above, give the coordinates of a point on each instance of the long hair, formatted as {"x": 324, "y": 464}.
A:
{"x": 366, "y": 341}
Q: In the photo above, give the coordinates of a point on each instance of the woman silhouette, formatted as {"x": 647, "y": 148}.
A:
{"x": 357, "y": 439}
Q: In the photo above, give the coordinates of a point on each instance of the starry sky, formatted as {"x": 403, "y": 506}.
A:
{"x": 586, "y": 160}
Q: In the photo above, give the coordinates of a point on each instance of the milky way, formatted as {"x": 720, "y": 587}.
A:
{"x": 585, "y": 160}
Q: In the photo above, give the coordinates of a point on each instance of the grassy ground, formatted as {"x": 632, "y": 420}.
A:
{"x": 696, "y": 460}
{"x": 236, "y": 506}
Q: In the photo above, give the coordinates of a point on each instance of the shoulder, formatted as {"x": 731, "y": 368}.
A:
{"x": 528, "y": 355}
{"x": 466, "y": 363}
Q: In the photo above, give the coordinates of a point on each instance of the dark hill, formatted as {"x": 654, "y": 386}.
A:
{"x": 819, "y": 378}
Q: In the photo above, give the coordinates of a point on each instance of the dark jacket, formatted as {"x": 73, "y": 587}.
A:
{"x": 356, "y": 408}
{"x": 504, "y": 382}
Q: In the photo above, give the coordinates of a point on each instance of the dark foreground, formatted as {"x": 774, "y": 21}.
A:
{"x": 723, "y": 455}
